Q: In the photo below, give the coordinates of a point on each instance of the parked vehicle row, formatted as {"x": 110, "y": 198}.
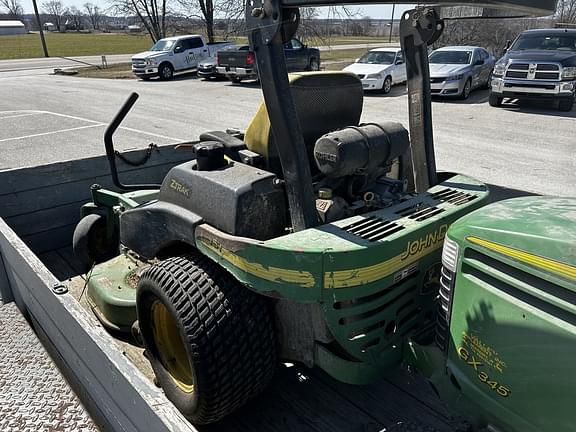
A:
{"x": 539, "y": 65}
{"x": 174, "y": 54}
{"x": 211, "y": 60}
{"x": 454, "y": 71}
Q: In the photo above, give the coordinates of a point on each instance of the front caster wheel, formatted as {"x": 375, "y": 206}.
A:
{"x": 209, "y": 339}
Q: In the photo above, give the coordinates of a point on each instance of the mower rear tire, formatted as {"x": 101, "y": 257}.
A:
{"x": 210, "y": 340}
{"x": 90, "y": 242}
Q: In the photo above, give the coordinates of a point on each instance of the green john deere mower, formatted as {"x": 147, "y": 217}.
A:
{"x": 309, "y": 237}
{"x": 506, "y": 336}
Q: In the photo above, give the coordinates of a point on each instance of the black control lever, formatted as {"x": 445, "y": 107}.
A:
{"x": 111, "y": 153}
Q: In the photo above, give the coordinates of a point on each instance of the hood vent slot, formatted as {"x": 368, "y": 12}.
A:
{"x": 453, "y": 196}
{"x": 373, "y": 228}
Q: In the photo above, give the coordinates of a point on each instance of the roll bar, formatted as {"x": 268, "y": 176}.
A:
{"x": 273, "y": 22}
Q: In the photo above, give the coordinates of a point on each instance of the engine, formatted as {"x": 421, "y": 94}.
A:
{"x": 356, "y": 167}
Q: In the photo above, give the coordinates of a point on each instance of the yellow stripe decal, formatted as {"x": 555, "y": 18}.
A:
{"x": 364, "y": 275}
{"x": 547, "y": 264}
{"x": 272, "y": 274}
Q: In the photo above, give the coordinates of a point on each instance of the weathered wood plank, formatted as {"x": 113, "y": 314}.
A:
{"x": 57, "y": 265}
{"x": 50, "y": 240}
{"x": 298, "y": 402}
{"x": 20, "y": 179}
{"x": 46, "y": 219}
{"x": 32, "y": 200}
{"x": 420, "y": 390}
{"x": 386, "y": 402}
{"x": 67, "y": 255}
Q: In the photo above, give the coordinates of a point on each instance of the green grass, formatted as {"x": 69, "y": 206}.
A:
{"x": 117, "y": 71}
{"x": 79, "y": 44}
{"x": 72, "y": 44}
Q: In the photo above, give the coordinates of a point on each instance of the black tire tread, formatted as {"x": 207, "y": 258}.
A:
{"x": 229, "y": 330}
{"x": 566, "y": 105}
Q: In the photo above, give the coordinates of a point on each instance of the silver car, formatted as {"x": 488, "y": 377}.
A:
{"x": 456, "y": 71}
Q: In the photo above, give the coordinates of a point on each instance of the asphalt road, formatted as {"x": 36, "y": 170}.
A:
{"x": 44, "y": 119}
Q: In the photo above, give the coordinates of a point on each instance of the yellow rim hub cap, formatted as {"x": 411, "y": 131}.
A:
{"x": 171, "y": 350}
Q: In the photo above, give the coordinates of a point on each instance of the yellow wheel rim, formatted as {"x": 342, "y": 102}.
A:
{"x": 171, "y": 350}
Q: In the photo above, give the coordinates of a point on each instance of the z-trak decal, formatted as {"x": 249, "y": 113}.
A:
{"x": 555, "y": 267}
{"x": 415, "y": 250}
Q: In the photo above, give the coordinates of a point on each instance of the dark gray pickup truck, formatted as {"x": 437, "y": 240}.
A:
{"x": 240, "y": 64}
{"x": 540, "y": 64}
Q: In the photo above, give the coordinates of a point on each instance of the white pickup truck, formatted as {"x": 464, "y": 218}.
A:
{"x": 174, "y": 54}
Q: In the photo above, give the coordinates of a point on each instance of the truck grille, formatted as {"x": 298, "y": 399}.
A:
{"x": 534, "y": 71}
{"x": 138, "y": 62}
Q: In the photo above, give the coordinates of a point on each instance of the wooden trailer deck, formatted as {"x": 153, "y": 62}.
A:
{"x": 304, "y": 400}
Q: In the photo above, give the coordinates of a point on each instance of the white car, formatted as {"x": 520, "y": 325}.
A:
{"x": 174, "y": 54}
{"x": 379, "y": 69}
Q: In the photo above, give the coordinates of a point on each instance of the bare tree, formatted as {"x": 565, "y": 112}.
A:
{"x": 151, "y": 13}
{"x": 93, "y": 14}
{"x": 566, "y": 11}
{"x": 13, "y": 8}
{"x": 56, "y": 10}
{"x": 204, "y": 10}
{"x": 76, "y": 17}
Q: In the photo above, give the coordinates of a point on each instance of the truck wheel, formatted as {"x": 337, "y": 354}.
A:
{"x": 90, "y": 244}
{"x": 210, "y": 340}
{"x": 466, "y": 90}
{"x": 166, "y": 72}
{"x": 314, "y": 65}
{"x": 566, "y": 104}
{"x": 236, "y": 80}
{"x": 387, "y": 85}
{"x": 495, "y": 101}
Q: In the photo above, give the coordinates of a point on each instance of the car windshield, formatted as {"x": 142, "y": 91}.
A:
{"x": 378, "y": 57}
{"x": 543, "y": 42}
{"x": 450, "y": 57}
{"x": 163, "y": 45}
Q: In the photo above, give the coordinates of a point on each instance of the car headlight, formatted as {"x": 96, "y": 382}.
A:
{"x": 455, "y": 77}
{"x": 500, "y": 68}
{"x": 569, "y": 73}
{"x": 150, "y": 62}
{"x": 374, "y": 76}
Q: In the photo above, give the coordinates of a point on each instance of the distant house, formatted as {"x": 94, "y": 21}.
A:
{"x": 50, "y": 27}
{"x": 134, "y": 28}
{"x": 11, "y": 27}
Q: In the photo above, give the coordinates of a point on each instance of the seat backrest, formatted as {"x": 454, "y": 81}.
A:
{"x": 324, "y": 101}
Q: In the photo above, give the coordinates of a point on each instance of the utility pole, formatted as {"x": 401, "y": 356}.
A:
{"x": 391, "y": 21}
{"x": 41, "y": 30}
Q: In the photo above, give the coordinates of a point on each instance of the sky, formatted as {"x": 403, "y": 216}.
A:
{"x": 374, "y": 11}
